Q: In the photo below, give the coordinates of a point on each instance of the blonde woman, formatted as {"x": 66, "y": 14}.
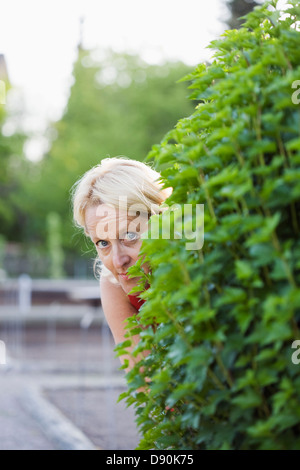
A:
{"x": 113, "y": 202}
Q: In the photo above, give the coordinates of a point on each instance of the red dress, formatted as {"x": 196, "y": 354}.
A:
{"x": 136, "y": 301}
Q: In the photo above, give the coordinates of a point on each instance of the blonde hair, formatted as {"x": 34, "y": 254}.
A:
{"x": 114, "y": 178}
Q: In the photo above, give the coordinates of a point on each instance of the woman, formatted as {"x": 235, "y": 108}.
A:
{"x": 113, "y": 202}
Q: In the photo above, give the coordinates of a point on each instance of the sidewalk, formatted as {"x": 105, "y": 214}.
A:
{"x": 18, "y": 430}
{"x": 30, "y": 419}
{"x": 59, "y": 390}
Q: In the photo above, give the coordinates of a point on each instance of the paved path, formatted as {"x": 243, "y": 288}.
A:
{"x": 18, "y": 429}
{"x": 49, "y": 400}
{"x": 30, "y": 420}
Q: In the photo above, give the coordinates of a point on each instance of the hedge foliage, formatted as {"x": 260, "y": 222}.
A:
{"x": 220, "y": 321}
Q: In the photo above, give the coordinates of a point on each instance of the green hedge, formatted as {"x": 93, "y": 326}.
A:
{"x": 220, "y": 321}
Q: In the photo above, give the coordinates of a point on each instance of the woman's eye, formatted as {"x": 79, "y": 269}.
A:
{"x": 102, "y": 244}
{"x": 130, "y": 236}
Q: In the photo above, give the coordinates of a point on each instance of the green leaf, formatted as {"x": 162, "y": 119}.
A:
{"x": 244, "y": 269}
{"x": 249, "y": 399}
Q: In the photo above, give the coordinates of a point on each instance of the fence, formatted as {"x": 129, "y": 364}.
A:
{"x": 38, "y": 265}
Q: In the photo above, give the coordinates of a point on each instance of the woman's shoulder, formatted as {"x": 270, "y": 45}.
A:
{"x": 108, "y": 288}
{"x": 112, "y": 293}
{"x": 116, "y": 307}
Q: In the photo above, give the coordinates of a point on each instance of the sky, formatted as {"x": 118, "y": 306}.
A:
{"x": 39, "y": 39}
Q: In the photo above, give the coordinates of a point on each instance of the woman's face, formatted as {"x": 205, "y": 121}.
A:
{"x": 117, "y": 240}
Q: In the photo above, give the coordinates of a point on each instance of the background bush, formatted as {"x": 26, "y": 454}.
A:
{"x": 118, "y": 105}
{"x": 220, "y": 374}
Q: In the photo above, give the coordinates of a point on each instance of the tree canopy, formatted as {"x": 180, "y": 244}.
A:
{"x": 118, "y": 105}
{"x": 238, "y": 9}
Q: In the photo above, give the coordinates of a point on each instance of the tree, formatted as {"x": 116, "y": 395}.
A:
{"x": 11, "y": 156}
{"x": 119, "y": 105}
{"x": 239, "y": 8}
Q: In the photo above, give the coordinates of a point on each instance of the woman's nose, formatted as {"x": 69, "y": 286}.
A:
{"x": 120, "y": 257}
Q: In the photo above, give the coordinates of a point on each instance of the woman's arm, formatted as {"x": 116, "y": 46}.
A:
{"x": 117, "y": 308}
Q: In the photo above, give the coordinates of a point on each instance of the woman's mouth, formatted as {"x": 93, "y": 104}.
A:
{"x": 124, "y": 276}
